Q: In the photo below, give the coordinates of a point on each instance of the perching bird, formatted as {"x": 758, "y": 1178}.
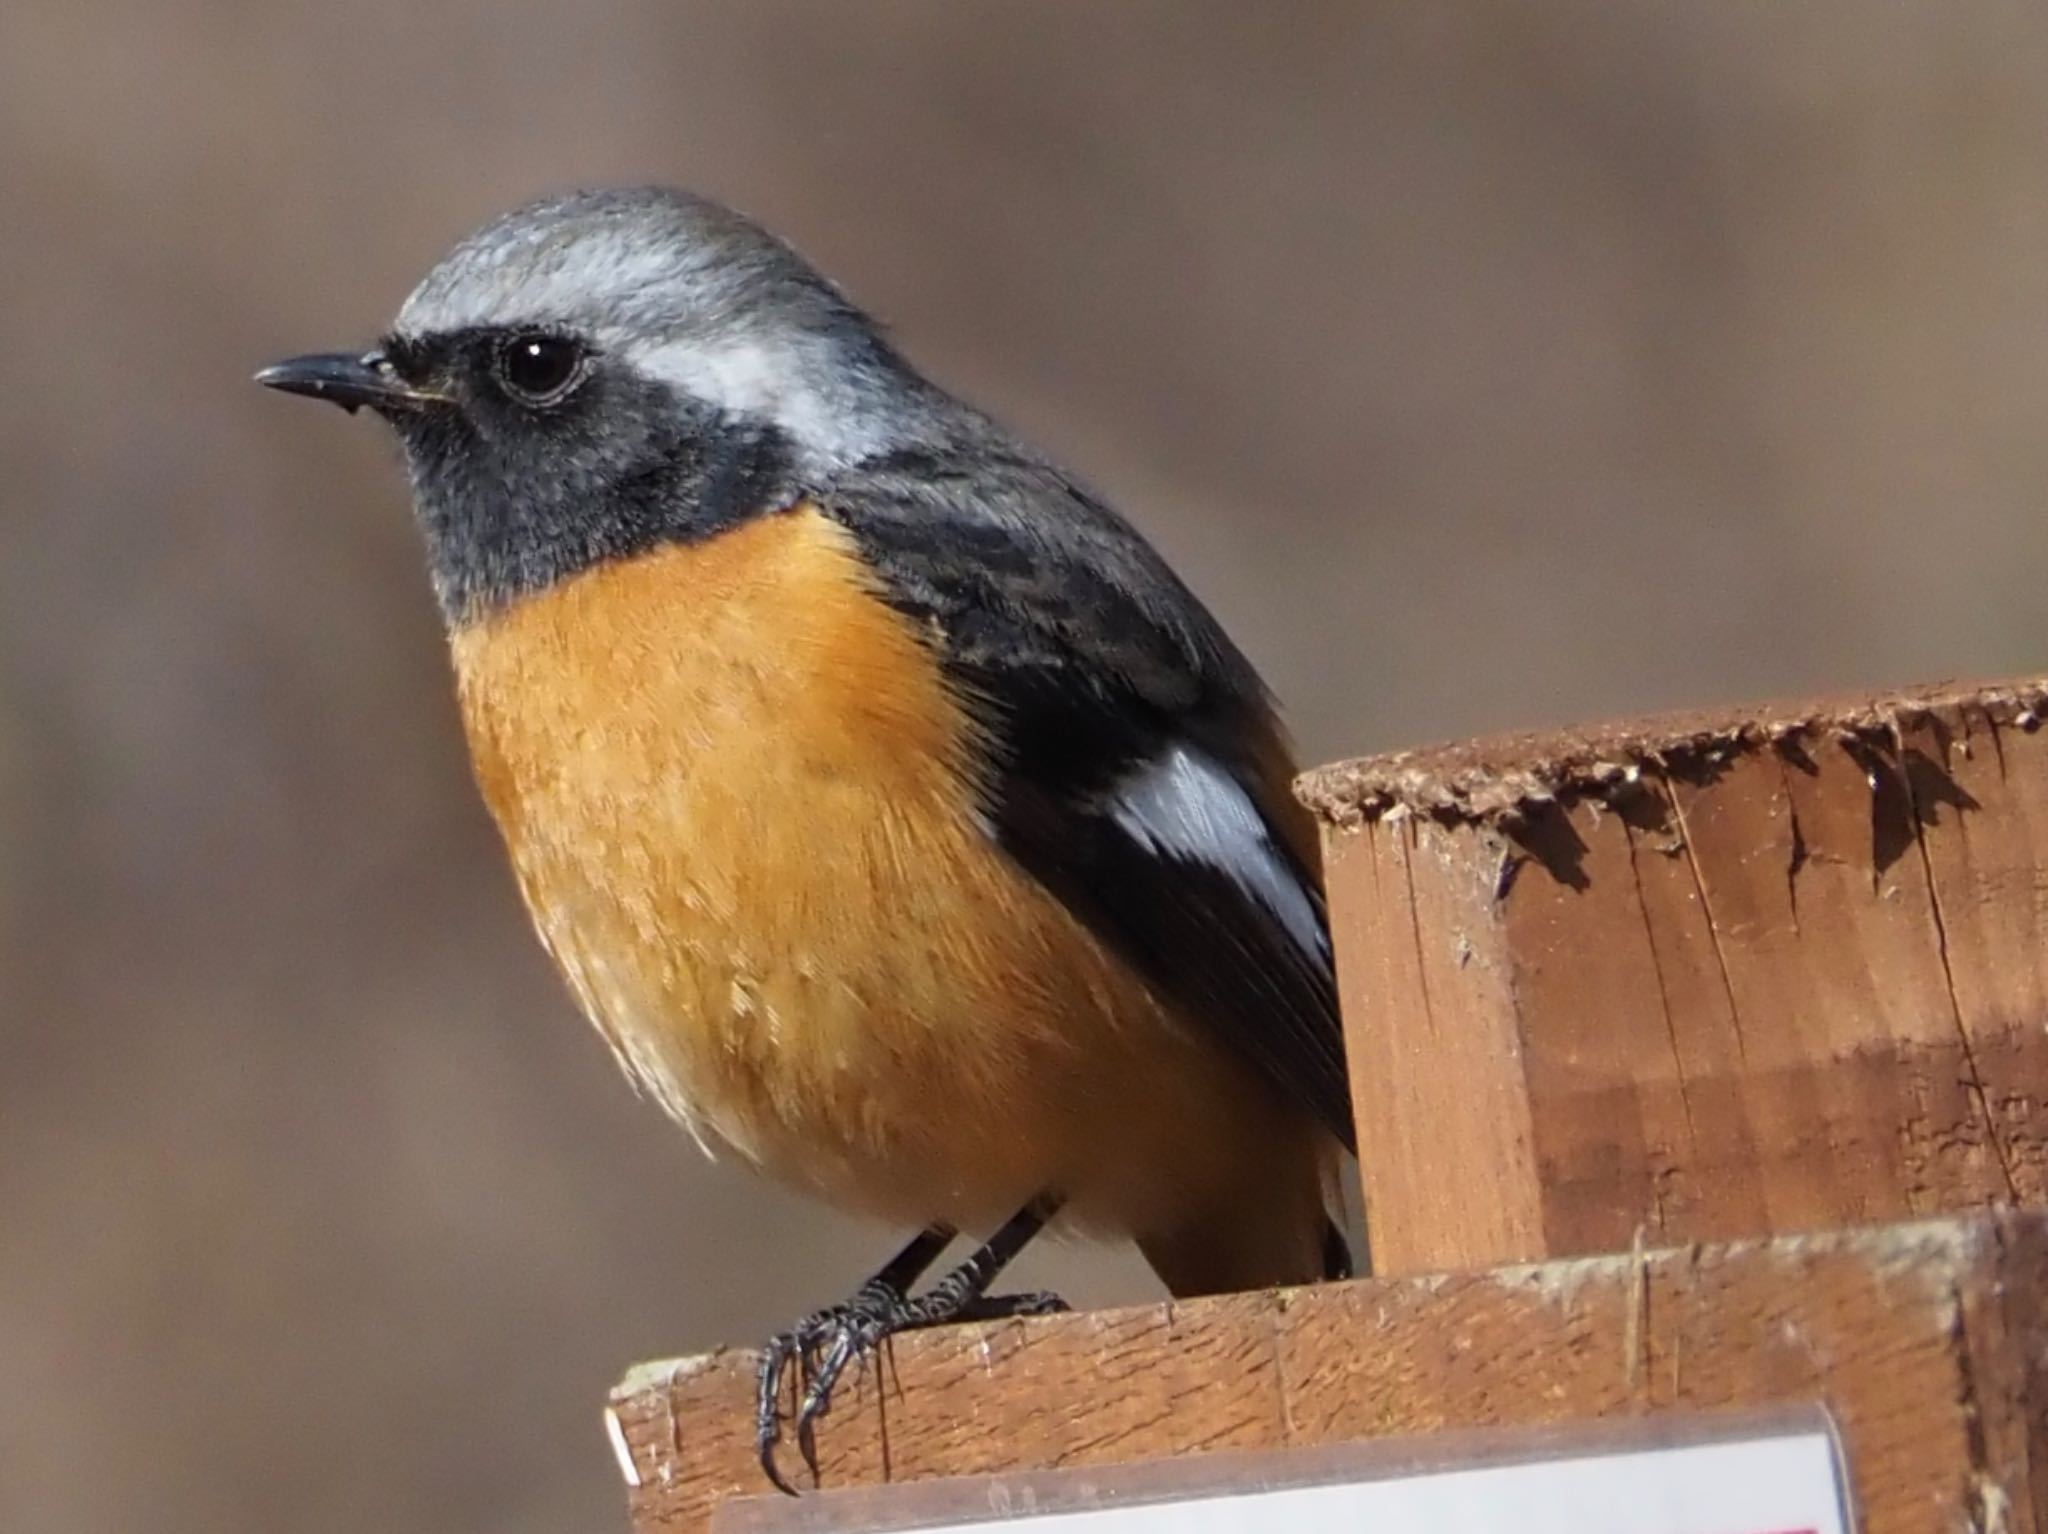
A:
{"x": 903, "y": 823}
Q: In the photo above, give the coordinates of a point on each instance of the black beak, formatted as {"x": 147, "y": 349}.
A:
{"x": 345, "y": 380}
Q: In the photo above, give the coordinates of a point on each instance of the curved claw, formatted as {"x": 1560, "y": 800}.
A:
{"x": 842, "y": 1333}
{"x": 855, "y": 1338}
{"x": 824, "y": 1346}
{"x": 773, "y": 1471}
{"x": 807, "y": 1447}
{"x": 776, "y": 1356}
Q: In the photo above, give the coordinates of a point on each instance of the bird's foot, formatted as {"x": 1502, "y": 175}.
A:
{"x": 823, "y": 1345}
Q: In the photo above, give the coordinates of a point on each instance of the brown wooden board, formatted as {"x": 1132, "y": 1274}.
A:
{"x": 1703, "y": 976}
{"x": 1928, "y": 1340}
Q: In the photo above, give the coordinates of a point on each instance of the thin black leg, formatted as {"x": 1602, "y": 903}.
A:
{"x": 960, "y": 1295}
{"x": 836, "y": 1338}
{"x": 908, "y": 1266}
{"x": 884, "y": 1292}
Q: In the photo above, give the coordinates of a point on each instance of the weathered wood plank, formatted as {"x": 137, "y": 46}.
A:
{"x": 1705, "y": 976}
{"x": 1929, "y": 1340}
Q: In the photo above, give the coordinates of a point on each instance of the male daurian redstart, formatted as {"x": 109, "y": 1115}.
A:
{"x": 902, "y": 822}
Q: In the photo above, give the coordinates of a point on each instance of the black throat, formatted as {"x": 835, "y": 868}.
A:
{"x": 509, "y": 513}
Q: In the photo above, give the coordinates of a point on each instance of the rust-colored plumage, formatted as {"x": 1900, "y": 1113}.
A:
{"x": 741, "y": 802}
{"x": 902, "y": 820}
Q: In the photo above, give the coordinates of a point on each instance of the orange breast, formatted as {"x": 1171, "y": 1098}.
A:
{"x": 740, "y": 802}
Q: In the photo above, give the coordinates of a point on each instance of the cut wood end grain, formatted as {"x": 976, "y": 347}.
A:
{"x": 1501, "y": 777}
{"x": 1707, "y": 975}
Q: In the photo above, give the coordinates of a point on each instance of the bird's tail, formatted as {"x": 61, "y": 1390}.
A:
{"x": 1268, "y": 1235}
{"x": 1336, "y": 1252}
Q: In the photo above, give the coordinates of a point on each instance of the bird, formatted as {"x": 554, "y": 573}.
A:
{"x": 906, "y": 826}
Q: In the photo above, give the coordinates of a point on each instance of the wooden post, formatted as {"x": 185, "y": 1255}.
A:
{"x": 1704, "y": 976}
{"x": 1929, "y": 1342}
{"x": 1651, "y": 1026}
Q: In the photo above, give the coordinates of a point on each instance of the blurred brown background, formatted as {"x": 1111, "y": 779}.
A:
{"x": 1485, "y": 364}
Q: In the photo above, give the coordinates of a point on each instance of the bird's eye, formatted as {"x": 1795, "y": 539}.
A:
{"x": 539, "y": 369}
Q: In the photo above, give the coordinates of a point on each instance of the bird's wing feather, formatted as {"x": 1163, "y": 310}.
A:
{"x": 1139, "y": 773}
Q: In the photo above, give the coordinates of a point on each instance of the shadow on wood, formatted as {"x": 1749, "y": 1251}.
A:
{"x": 1705, "y": 975}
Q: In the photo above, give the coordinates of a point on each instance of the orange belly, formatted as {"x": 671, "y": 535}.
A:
{"x": 740, "y": 803}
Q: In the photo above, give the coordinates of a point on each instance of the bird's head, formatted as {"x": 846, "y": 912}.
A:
{"x": 600, "y": 372}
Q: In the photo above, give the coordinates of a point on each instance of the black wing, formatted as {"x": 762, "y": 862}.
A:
{"x": 1136, "y": 744}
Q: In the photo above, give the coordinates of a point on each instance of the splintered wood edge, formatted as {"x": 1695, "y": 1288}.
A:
{"x": 1499, "y": 778}
{"x": 1925, "y": 1337}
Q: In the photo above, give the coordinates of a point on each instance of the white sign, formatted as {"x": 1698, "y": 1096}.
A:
{"x": 1771, "y": 1477}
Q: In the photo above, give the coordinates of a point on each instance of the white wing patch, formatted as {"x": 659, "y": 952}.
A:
{"x": 1185, "y": 805}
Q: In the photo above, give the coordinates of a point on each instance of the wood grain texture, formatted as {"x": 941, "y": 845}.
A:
{"x": 1702, "y": 978}
{"x": 1927, "y": 1339}
{"x": 1471, "y": 1180}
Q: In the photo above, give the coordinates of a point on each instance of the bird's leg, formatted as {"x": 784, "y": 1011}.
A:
{"x": 881, "y": 1294}
{"x": 961, "y": 1295}
{"x": 849, "y": 1332}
